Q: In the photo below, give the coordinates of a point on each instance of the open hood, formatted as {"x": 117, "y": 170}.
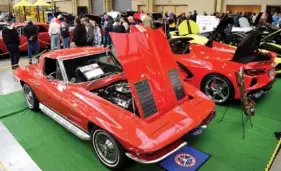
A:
{"x": 151, "y": 71}
{"x": 248, "y": 45}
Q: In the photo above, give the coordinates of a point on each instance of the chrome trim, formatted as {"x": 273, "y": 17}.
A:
{"x": 156, "y": 160}
{"x": 65, "y": 123}
{"x": 63, "y": 72}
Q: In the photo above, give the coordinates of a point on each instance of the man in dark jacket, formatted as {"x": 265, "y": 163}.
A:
{"x": 79, "y": 34}
{"x": 31, "y": 33}
{"x": 108, "y": 26}
{"x": 12, "y": 41}
{"x": 118, "y": 27}
{"x": 194, "y": 16}
{"x": 90, "y": 31}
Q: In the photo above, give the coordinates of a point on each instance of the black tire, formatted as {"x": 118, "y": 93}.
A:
{"x": 226, "y": 85}
{"x": 34, "y": 103}
{"x": 121, "y": 160}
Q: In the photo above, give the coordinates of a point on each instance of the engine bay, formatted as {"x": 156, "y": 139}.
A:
{"x": 118, "y": 93}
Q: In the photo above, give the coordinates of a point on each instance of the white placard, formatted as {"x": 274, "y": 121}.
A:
{"x": 91, "y": 71}
{"x": 207, "y": 23}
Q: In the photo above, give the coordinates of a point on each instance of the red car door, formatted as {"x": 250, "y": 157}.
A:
{"x": 49, "y": 91}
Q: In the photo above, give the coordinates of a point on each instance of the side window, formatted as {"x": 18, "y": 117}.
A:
{"x": 51, "y": 67}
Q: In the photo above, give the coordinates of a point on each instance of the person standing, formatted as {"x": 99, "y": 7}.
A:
{"x": 97, "y": 33}
{"x": 131, "y": 21}
{"x": 31, "y": 33}
{"x": 108, "y": 25}
{"x": 125, "y": 23}
{"x": 194, "y": 16}
{"x": 275, "y": 19}
{"x": 148, "y": 21}
{"x": 64, "y": 30}
{"x": 182, "y": 18}
{"x": 54, "y": 33}
{"x": 118, "y": 27}
{"x": 11, "y": 40}
{"x": 172, "y": 22}
{"x": 90, "y": 31}
{"x": 79, "y": 34}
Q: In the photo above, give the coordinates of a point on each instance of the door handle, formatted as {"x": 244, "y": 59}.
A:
{"x": 74, "y": 105}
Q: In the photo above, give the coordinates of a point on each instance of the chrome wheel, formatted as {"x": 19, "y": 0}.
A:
{"x": 28, "y": 95}
{"x": 217, "y": 89}
{"x": 106, "y": 148}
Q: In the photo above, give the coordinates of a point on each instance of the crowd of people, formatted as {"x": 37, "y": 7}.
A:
{"x": 12, "y": 41}
{"x": 86, "y": 32}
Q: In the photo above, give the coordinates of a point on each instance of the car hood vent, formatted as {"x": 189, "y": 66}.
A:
{"x": 146, "y": 98}
{"x": 176, "y": 83}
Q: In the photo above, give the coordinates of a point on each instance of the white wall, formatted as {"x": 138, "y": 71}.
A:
{"x": 65, "y": 6}
{"x": 4, "y": 5}
{"x": 200, "y": 6}
{"x": 263, "y": 3}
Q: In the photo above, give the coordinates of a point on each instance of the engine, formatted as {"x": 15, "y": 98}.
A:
{"x": 117, "y": 93}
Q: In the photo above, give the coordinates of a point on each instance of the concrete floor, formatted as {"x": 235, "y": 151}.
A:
{"x": 7, "y": 83}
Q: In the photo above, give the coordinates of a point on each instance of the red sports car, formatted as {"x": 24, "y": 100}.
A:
{"x": 213, "y": 69}
{"x": 43, "y": 36}
{"x": 138, "y": 108}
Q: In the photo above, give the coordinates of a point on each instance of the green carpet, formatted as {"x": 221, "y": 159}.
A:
{"x": 11, "y": 104}
{"x": 55, "y": 149}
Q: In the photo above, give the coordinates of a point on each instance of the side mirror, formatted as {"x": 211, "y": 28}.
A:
{"x": 51, "y": 76}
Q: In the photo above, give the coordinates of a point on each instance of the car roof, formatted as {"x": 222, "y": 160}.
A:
{"x": 72, "y": 53}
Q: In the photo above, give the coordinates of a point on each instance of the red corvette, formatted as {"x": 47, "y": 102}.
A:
{"x": 43, "y": 36}
{"x": 139, "y": 109}
{"x": 213, "y": 69}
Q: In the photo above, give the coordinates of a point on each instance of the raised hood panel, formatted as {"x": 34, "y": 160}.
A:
{"x": 248, "y": 45}
{"x": 150, "y": 69}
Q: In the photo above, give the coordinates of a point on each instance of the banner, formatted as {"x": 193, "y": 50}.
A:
{"x": 185, "y": 159}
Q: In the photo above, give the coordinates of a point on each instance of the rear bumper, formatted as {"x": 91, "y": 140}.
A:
{"x": 255, "y": 94}
{"x": 157, "y": 156}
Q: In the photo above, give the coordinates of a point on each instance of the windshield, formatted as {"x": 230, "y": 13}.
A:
{"x": 93, "y": 67}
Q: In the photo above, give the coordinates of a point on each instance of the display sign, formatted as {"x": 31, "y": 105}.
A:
{"x": 185, "y": 159}
{"x": 207, "y": 23}
{"x": 91, "y": 71}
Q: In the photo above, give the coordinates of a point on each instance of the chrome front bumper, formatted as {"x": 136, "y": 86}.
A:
{"x": 154, "y": 159}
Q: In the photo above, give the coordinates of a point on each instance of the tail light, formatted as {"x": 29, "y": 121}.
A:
{"x": 254, "y": 72}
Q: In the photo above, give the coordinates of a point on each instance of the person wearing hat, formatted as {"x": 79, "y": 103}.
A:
{"x": 31, "y": 33}
{"x": 11, "y": 40}
{"x": 64, "y": 29}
